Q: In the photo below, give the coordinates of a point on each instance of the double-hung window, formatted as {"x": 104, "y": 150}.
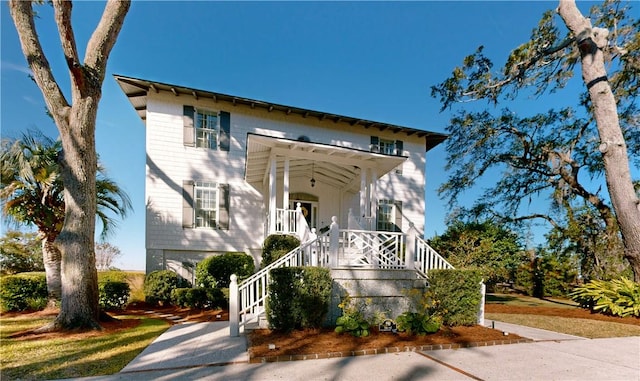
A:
{"x": 389, "y": 215}
{"x": 206, "y": 204}
{"x": 206, "y": 126}
{"x": 388, "y": 147}
{"x": 206, "y": 129}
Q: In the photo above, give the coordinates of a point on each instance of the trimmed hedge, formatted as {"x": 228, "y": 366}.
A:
{"x": 27, "y": 291}
{"x": 199, "y": 297}
{"x": 159, "y": 284}
{"x": 456, "y": 295}
{"x": 298, "y": 298}
{"x": 276, "y": 246}
{"x": 215, "y": 271}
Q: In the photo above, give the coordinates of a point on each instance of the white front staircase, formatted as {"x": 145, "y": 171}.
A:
{"x": 336, "y": 249}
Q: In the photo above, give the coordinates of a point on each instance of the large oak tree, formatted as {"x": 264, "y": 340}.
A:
{"x": 76, "y": 121}
{"x": 554, "y": 152}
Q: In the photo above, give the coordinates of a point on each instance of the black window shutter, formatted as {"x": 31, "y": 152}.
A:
{"x": 223, "y": 203}
{"x": 398, "y": 221}
{"x": 399, "y": 147}
{"x": 188, "y": 133}
{"x": 187, "y": 204}
{"x": 225, "y": 130}
{"x": 375, "y": 144}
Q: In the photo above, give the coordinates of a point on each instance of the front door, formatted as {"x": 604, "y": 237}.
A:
{"x": 309, "y": 211}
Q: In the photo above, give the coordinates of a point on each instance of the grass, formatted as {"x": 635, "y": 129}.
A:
{"x": 37, "y": 359}
{"x": 592, "y": 329}
{"x": 530, "y": 301}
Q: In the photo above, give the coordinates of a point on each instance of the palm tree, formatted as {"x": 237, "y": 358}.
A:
{"x": 31, "y": 191}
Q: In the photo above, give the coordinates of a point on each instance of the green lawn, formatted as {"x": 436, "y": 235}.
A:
{"x": 592, "y": 329}
{"x": 529, "y": 301}
{"x": 38, "y": 359}
{"x": 571, "y": 326}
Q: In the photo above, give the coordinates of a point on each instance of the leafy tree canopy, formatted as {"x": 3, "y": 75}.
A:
{"x": 20, "y": 252}
{"x": 485, "y": 245}
{"x": 566, "y": 152}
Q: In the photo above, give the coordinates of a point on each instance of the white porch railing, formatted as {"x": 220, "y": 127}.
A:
{"x": 381, "y": 250}
{"x": 286, "y": 221}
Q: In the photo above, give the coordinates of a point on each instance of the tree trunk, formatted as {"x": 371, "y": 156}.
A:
{"x": 76, "y": 124}
{"x": 625, "y": 202}
{"x": 79, "y": 308}
{"x": 52, "y": 258}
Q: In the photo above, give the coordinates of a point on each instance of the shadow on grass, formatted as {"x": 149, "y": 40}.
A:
{"x": 63, "y": 358}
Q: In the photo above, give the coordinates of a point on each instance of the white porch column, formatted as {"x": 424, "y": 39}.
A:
{"x": 373, "y": 198}
{"x": 234, "y": 312}
{"x": 363, "y": 193}
{"x": 334, "y": 242}
{"x": 272, "y": 195}
{"x": 285, "y": 194}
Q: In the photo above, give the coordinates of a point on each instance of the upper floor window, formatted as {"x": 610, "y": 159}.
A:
{"x": 206, "y": 129}
{"x": 386, "y": 146}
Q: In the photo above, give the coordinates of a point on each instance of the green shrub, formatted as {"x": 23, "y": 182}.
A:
{"x": 276, "y": 246}
{"x": 618, "y": 297}
{"x": 416, "y": 323}
{"x": 352, "y": 320}
{"x": 159, "y": 284}
{"x": 298, "y": 297}
{"x": 113, "y": 295}
{"x": 23, "y": 292}
{"x": 202, "y": 298}
{"x": 215, "y": 272}
{"x": 456, "y": 295}
{"x": 546, "y": 276}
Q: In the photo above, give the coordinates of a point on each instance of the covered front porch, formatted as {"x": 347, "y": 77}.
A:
{"x": 322, "y": 180}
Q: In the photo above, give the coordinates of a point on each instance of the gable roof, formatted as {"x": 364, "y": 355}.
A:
{"x": 136, "y": 90}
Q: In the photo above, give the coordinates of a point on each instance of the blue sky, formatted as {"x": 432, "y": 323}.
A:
{"x": 374, "y": 60}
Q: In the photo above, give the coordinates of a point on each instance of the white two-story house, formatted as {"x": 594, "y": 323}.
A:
{"x": 223, "y": 172}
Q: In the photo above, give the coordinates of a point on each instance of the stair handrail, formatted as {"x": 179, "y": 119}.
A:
{"x": 252, "y": 292}
{"x": 427, "y": 258}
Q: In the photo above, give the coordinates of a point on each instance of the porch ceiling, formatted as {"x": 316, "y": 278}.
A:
{"x": 337, "y": 166}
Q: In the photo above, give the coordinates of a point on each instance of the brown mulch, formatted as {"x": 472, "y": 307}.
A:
{"x": 327, "y": 343}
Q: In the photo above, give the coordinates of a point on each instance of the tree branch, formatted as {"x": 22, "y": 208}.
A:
{"x": 22, "y": 14}
{"x": 62, "y": 13}
{"x": 104, "y": 37}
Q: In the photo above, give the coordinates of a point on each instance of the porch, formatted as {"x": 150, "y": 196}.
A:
{"x": 327, "y": 180}
{"x": 350, "y": 249}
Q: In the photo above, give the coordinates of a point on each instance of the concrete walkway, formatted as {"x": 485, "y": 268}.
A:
{"x": 204, "y": 351}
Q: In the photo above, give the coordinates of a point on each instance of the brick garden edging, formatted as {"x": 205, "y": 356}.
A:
{"x": 367, "y": 352}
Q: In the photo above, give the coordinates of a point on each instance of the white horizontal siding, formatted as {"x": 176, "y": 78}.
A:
{"x": 169, "y": 163}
